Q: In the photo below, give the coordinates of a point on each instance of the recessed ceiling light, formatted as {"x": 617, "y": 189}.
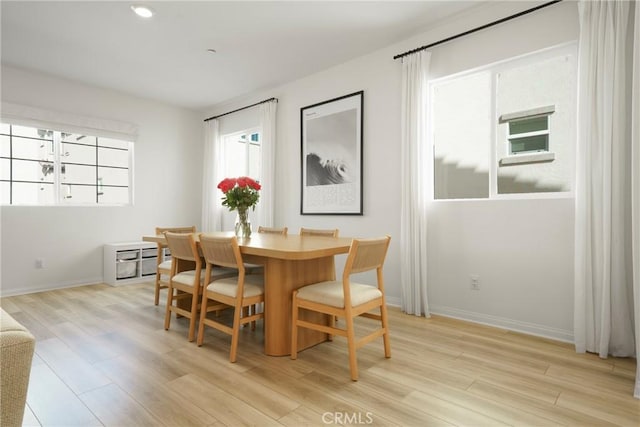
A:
{"x": 142, "y": 11}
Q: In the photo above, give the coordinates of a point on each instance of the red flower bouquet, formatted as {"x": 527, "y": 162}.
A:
{"x": 240, "y": 193}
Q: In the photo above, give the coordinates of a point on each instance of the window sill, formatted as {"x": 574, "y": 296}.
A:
{"x": 527, "y": 158}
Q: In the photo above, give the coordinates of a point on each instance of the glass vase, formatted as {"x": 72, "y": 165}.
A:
{"x": 243, "y": 225}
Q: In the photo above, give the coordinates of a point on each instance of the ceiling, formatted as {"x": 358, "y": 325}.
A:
{"x": 259, "y": 44}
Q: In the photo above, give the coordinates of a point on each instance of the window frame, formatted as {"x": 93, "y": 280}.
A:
{"x": 542, "y": 112}
{"x": 567, "y": 49}
{"x": 249, "y": 132}
{"x": 60, "y": 193}
{"x": 517, "y": 137}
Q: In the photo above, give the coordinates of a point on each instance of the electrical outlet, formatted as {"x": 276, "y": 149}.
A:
{"x": 475, "y": 282}
{"x": 39, "y": 263}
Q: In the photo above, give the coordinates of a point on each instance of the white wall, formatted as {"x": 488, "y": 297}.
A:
{"x": 167, "y": 171}
{"x": 522, "y": 250}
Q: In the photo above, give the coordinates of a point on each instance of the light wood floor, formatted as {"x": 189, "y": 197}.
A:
{"x": 103, "y": 358}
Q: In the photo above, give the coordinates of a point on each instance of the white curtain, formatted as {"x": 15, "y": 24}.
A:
{"x": 211, "y": 176}
{"x": 635, "y": 186}
{"x": 417, "y": 172}
{"x": 605, "y": 260}
{"x": 266, "y": 206}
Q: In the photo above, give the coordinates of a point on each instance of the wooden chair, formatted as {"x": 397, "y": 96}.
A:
{"x": 239, "y": 292}
{"x": 329, "y": 232}
{"x": 347, "y": 299}
{"x": 255, "y": 268}
{"x": 271, "y": 230}
{"x": 164, "y": 267}
{"x": 187, "y": 283}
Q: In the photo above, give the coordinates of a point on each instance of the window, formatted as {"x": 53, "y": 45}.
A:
{"x": 48, "y": 167}
{"x": 528, "y": 131}
{"x": 506, "y": 128}
{"x": 243, "y": 154}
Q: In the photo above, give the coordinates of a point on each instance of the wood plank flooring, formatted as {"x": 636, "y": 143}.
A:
{"x": 103, "y": 358}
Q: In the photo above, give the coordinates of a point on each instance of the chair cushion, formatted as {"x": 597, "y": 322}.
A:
{"x": 331, "y": 293}
{"x": 164, "y": 269}
{"x": 253, "y": 286}
{"x": 166, "y": 265}
{"x": 187, "y": 277}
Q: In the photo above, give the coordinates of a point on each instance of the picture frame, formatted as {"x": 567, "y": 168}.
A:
{"x": 331, "y": 136}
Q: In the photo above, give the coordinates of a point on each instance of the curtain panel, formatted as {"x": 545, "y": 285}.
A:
{"x": 607, "y": 191}
{"x": 635, "y": 187}
{"x": 211, "y": 175}
{"x": 266, "y": 205}
{"x": 417, "y": 185}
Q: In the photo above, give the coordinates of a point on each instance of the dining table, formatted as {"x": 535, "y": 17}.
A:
{"x": 290, "y": 262}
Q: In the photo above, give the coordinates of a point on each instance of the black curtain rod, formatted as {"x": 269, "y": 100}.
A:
{"x": 240, "y": 109}
{"x": 491, "y": 24}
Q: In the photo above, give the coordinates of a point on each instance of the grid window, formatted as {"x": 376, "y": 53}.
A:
{"x": 48, "y": 167}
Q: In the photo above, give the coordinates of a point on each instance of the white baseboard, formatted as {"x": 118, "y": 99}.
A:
{"x": 50, "y": 287}
{"x": 503, "y": 322}
{"x": 393, "y": 301}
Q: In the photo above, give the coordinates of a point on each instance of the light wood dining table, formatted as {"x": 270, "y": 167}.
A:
{"x": 290, "y": 262}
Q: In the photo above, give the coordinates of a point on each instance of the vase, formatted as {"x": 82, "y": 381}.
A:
{"x": 243, "y": 225}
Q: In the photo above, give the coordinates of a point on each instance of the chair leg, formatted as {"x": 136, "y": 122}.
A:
{"x": 385, "y": 326}
{"x": 192, "y": 318}
{"x": 294, "y": 326}
{"x": 351, "y": 343}
{"x": 235, "y": 334}
{"x": 157, "y": 290}
{"x": 203, "y": 316}
{"x": 167, "y": 316}
{"x": 254, "y": 310}
{"x": 245, "y": 313}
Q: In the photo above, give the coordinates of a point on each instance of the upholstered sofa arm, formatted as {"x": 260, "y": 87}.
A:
{"x": 16, "y": 351}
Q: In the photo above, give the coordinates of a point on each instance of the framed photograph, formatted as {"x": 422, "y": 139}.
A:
{"x": 331, "y": 156}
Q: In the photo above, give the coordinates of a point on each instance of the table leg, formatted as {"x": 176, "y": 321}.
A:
{"x": 282, "y": 277}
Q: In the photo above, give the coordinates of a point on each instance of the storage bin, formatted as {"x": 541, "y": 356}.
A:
{"x": 148, "y": 253}
{"x": 127, "y": 255}
{"x": 149, "y": 266}
{"x": 126, "y": 269}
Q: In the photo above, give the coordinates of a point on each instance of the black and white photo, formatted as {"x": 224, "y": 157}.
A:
{"x": 331, "y": 156}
